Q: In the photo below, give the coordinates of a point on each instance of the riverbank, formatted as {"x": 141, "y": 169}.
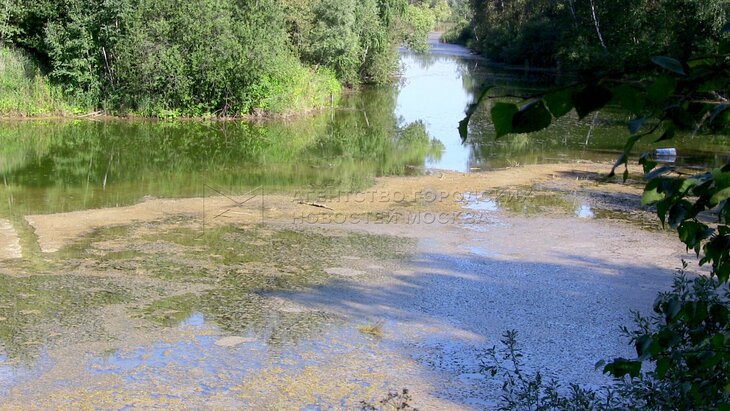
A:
{"x": 537, "y": 188}
{"x": 27, "y": 93}
{"x": 209, "y": 301}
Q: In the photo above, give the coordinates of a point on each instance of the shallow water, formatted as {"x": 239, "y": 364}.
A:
{"x": 166, "y": 313}
{"x": 58, "y": 166}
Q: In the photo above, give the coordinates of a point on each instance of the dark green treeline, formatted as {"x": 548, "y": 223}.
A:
{"x": 207, "y": 57}
{"x": 585, "y": 35}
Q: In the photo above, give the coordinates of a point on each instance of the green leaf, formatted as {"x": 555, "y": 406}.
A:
{"x": 560, "y": 102}
{"x": 629, "y": 98}
{"x": 502, "y": 115}
{"x": 623, "y": 159}
{"x": 670, "y": 64}
{"x": 717, "y": 111}
{"x": 651, "y": 193}
{"x": 620, "y": 367}
{"x": 661, "y": 89}
{"x": 590, "y": 99}
{"x": 722, "y": 187}
{"x": 647, "y": 163}
{"x": 673, "y": 309}
{"x": 470, "y": 110}
{"x": 692, "y": 233}
{"x": 668, "y": 133}
{"x": 464, "y": 127}
{"x": 661, "y": 210}
{"x": 720, "y": 315}
{"x": 658, "y": 172}
{"x": 643, "y": 344}
{"x": 701, "y": 62}
{"x": 662, "y": 366}
{"x": 533, "y": 117}
{"x": 681, "y": 117}
{"x": 719, "y": 196}
{"x": 679, "y": 212}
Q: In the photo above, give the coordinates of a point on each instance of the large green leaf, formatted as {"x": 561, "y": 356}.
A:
{"x": 720, "y": 195}
{"x": 661, "y": 89}
{"x": 629, "y": 98}
{"x": 532, "y": 117}
{"x": 635, "y": 124}
{"x": 560, "y": 102}
{"x": 590, "y": 99}
{"x": 669, "y": 132}
{"x": 692, "y": 233}
{"x": 651, "y": 193}
{"x": 502, "y": 114}
{"x": 620, "y": 367}
{"x": 470, "y": 110}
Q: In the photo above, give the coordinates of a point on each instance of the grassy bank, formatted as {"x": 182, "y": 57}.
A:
{"x": 25, "y": 91}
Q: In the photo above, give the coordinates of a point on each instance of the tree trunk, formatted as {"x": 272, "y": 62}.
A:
{"x": 598, "y": 26}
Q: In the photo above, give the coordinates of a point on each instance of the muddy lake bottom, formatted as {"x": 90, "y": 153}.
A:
{"x": 204, "y": 303}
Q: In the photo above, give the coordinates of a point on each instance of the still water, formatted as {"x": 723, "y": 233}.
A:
{"x": 132, "y": 307}
{"x": 58, "y": 166}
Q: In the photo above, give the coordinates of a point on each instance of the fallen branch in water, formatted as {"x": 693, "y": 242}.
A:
{"x": 316, "y": 205}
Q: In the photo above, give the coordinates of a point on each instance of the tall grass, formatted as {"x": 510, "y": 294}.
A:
{"x": 25, "y": 91}
{"x": 292, "y": 88}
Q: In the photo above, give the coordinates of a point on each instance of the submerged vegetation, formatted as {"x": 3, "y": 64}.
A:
{"x": 226, "y": 273}
{"x": 206, "y": 58}
{"x": 242, "y": 57}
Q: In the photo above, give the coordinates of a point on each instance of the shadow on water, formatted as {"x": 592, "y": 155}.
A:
{"x": 458, "y": 305}
{"x": 271, "y": 287}
{"x": 443, "y": 313}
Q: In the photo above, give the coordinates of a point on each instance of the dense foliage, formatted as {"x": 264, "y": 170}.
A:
{"x": 589, "y": 34}
{"x": 686, "y": 344}
{"x": 223, "y": 57}
{"x": 24, "y": 90}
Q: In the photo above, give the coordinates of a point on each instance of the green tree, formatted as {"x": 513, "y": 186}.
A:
{"x": 418, "y": 21}
{"x": 589, "y": 34}
{"x": 10, "y": 12}
{"x": 225, "y": 57}
{"x": 686, "y": 343}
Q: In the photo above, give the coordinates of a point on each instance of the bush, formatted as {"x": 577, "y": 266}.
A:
{"x": 418, "y": 22}
{"x": 687, "y": 342}
{"x": 212, "y": 57}
{"x": 25, "y": 91}
{"x": 463, "y": 35}
{"x": 683, "y": 350}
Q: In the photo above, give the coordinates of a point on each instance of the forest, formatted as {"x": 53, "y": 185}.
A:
{"x": 206, "y": 58}
{"x": 584, "y": 35}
